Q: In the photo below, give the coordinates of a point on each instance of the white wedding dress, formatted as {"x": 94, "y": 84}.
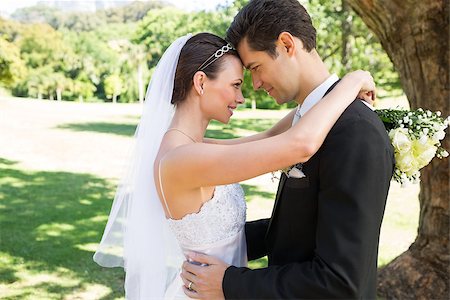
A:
{"x": 217, "y": 230}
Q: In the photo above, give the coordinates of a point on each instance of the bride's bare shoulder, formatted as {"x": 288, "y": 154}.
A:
{"x": 171, "y": 148}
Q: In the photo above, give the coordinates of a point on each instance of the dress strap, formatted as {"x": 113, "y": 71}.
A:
{"x": 162, "y": 191}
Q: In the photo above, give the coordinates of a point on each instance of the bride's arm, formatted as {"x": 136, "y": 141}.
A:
{"x": 197, "y": 165}
{"x": 280, "y": 127}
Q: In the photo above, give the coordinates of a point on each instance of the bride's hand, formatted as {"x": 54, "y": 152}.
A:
{"x": 368, "y": 97}
{"x": 365, "y": 79}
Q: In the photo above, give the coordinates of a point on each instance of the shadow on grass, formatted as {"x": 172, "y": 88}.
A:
{"x": 218, "y": 130}
{"x": 252, "y": 124}
{"x": 45, "y": 220}
{"x": 7, "y": 274}
{"x": 102, "y": 127}
{"x": 215, "y": 129}
{"x": 221, "y": 134}
{"x": 252, "y": 191}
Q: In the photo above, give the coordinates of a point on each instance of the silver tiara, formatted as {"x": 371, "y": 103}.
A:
{"x": 219, "y": 53}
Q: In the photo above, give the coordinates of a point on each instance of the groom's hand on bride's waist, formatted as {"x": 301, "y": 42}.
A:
{"x": 202, "y": 276}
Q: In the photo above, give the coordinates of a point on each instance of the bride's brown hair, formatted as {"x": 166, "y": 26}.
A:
{"x": 195, "y": 52}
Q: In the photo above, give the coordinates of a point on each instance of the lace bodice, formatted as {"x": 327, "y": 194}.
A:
{"x": 221, "y": 217}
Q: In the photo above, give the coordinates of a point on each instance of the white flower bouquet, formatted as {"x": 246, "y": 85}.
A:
{"x": 415, "y": 136}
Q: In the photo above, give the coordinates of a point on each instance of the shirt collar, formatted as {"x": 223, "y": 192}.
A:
{"x": 316, "y": 95}
{"x": 368, "y": 105}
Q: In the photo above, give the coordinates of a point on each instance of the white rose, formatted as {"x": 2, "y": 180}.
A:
{"x": 423, "y": 139}
{"x": 444, "y": 153}
{"x": 405, "y": 163}
{"x": 400, "y": 139}
{"x": 423, "y": 153}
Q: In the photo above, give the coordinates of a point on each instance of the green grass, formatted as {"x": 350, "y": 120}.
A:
{"x": 50, "y": 223}
{"x": 234, "y": 129}
{"x": 102, "y": 127}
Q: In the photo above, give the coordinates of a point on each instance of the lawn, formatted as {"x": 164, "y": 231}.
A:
{"x": 59, "y": 165}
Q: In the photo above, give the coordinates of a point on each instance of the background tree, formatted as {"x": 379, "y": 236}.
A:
{"x": 12, "y": 68}
{"x": 415, "y": 35}
{"x": 345, "y": 43}
{"x": 131, "y": 61}
{"x": 39, "y": 13}
{"x": 113, "y": 87}
{"x": 79, "y": 46}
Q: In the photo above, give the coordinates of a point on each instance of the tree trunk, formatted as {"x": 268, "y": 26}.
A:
{"x": 415, "y": 35}
{"x": 253, "y": 104}
{"x": 59, "y": 94}
{"x": 140, "y": 83}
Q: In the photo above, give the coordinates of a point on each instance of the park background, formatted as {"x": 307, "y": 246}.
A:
{"x": 72, "y": 79}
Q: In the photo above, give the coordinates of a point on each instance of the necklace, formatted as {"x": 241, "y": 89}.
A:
{"x": 185, "y": 134}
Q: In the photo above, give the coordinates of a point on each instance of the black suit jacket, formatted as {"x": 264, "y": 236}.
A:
{"x": 322, "y": 238}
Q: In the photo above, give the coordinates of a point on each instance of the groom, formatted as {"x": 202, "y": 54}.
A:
{"x": 322, "y": 238}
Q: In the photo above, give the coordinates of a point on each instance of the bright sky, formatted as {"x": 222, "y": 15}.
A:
{"x": 9, "y": 6}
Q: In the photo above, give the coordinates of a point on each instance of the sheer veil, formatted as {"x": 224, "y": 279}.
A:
{"x": 136, "y": 236}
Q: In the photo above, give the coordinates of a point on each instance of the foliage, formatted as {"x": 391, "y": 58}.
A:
{"x": 48, "y": 52}
{"x": 161, "y": 27}
{"x": 12, "y": 68}
{"x": 84, "y": 21}
{"x": 365, "y": 51}
{"x": 113, "y": 86}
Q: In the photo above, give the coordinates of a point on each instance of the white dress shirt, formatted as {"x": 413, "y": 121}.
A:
{"x": 317, "y": 94}
{"x": 314, "y": 97}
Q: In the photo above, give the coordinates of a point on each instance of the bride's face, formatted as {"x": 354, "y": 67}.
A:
{"x": 223, "y": 94}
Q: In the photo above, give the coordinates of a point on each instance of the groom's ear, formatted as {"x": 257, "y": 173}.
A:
{"x": 286, "y": 43}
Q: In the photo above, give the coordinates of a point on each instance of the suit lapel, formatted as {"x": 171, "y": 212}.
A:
{"x": 277, "y": 199}
{"x": 284, "y": 178}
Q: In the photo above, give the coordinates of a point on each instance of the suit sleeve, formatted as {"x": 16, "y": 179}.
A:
{"x": 255, "y": 232}
{"x": 355, "y": 170}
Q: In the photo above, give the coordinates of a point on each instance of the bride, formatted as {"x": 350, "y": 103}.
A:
{"x": 180, "y": 193}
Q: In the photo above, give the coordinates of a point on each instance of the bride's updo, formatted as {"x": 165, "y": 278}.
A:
{"x": 196, "y": 55}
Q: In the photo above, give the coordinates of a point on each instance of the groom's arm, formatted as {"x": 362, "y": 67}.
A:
{"x": 255, "y": 232}
{"x": 355, "y": 169}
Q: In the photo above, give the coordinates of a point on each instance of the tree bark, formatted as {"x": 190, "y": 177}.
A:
{"x": 415, "y": 35}
{"x": 59, "y": 94}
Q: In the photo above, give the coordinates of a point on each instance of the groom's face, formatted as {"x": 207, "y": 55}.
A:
{"x": 272, "y": 74}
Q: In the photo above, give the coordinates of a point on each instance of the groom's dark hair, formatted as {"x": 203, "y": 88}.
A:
{"x": 262, "y": 21}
